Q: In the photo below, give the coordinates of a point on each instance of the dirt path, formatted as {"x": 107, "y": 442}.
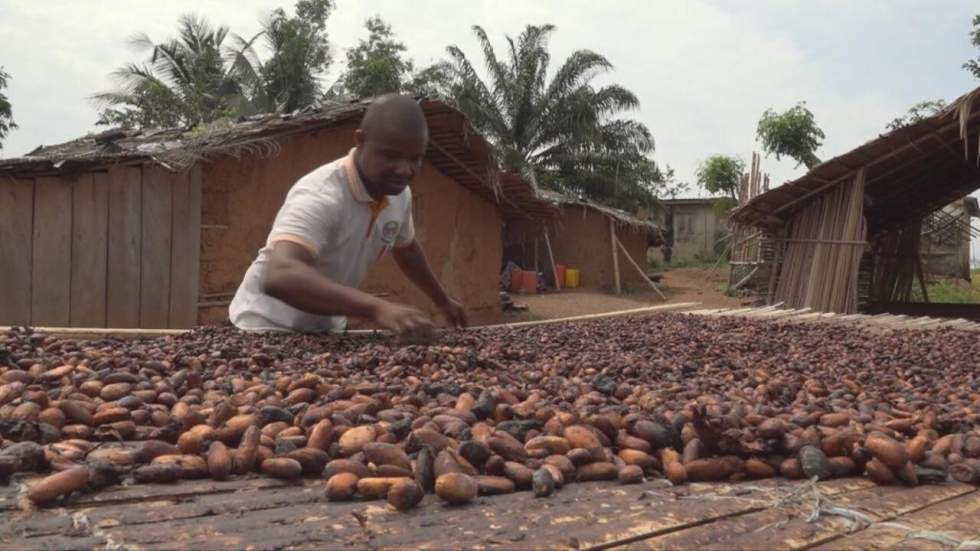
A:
{"x": 680, "y": 285}
{"x": 699, "y": 285}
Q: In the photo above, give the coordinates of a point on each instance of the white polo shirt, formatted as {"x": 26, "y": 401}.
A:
{"x": 329, "y": 212}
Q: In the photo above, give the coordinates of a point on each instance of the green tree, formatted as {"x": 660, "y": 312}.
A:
{"x": 184, "y": 82}
{"x": 793, "y": 133}
{"x": 6, "y": 115}
{"x": 433, "y": 81}
{"x": 207, "y": 73}
{"x": 721, "y": 174}
{"x": 917, "y": 112}
{"x": 973, "y": 65}
{"x": 378, "y": 65}
{"x": 563, "y": 132}
{"x": 301, "y": 54}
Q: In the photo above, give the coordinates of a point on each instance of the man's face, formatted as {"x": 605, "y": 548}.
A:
{"x": 390, "y": 159}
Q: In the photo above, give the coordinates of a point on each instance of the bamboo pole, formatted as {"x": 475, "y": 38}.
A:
{"x": 615, "y": 257}
{"x": 536, "y": 267}
{"x": 551, "y": 256}
{"x": 638, "y": 269}
{"x": 746, "y": 279}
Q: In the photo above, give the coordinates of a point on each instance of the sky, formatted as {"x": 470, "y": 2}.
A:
{"x": 704, "y": 71}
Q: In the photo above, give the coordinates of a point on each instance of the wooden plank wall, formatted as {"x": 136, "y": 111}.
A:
{"x": 117, "y": 248}
{"x": 16, "y": 236}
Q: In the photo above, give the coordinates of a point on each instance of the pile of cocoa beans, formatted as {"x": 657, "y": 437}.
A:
{"x": 492, "y": 411}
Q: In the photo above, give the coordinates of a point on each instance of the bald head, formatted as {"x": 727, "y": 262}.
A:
{"x": 394, "y": 113}
{"x": 391, "y": 143}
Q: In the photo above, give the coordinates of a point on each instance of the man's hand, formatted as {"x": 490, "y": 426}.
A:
{"x": 412, "y": 262}
{"x": 454, "y": 312}
{"x": 403, "y": 320}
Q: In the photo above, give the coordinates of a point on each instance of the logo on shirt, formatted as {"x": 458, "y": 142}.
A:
{"x": 389, "y": 232}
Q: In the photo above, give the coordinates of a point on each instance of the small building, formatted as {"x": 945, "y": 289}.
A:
{"x": 155, "y": 229}
{"x": 846, "y": 236}
{"x": 695, "y": 230}
{"x": 581, "y": 236}
{"x": 946, "y": 235}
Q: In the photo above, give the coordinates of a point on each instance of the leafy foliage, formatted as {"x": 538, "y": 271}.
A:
{"x": 720, "y": 174}
{"x": 377, "y": 65}
{"x": 793, "y": 133}
{"x": 917, "y": 112}
{"x": 6, "y": 114}
{"x": 433, "y": 81}
{"x": 564, "y": 132}
{"x": 183, "y": 82}
{"x": 973, "y": 65}
{"x": 722, "y": 205}
{"x": 300, "y": 54}
{"x": 207, "y": 73}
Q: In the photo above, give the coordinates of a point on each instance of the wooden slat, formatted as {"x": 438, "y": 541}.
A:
{"x": 510, "y": 521}
{"x": 185, "y": 249}
{"x": 155, "y": 254}
{"x": 945, "y": 518}
{"x": 720, "y": 532}
{"x": 50, "y": 275}
{"x": 794, "y": 532}
{"x": 16, "y": 242}
{"x": 90, "y": 218}
{"x": 124, "y": 250}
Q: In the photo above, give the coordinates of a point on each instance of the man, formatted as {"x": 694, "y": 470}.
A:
{"x": 335, "y": 223}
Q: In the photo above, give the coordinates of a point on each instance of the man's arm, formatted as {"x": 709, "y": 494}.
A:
{"x": 291, "y": 278}
{"x": 411, "y": 259}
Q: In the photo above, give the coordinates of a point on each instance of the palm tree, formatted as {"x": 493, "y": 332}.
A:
{"x": 563, "y": 132}
{"x": 185, "y": 81}
{"x": 208, "y": 73}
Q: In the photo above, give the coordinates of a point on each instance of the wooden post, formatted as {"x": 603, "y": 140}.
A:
{"x": 551, "y": 256}
{"x": 612, "y": 243}
{"x": 638, "y": 269}
{"x": 536, "y": 267}
{"x": 922, "y": 279}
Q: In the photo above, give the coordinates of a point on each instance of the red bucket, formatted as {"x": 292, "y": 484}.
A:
{"x": 516, "y": 280}
{"x": 561, "y": 274}
{"x": 530, "y": 280}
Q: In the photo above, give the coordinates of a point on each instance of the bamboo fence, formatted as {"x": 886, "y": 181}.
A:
{"x": 821, "y": 252}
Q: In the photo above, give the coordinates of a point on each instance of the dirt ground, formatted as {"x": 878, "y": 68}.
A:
{"x": 680, "y": 285}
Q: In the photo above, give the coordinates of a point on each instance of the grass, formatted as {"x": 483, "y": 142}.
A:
{"x": 728, "y": 291}
{"x": 951, "y": 291}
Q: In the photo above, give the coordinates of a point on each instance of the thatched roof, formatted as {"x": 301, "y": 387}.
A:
{"x": 909, "y": 172}
{"x": 693, "y": 201}
{"x": 620, "y": 217}
{"x": 455, "y": 149}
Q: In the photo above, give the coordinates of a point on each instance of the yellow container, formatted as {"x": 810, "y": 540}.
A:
{"x": 571, "y": 278}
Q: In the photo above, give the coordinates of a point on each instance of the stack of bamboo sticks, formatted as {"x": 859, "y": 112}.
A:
{"x": 822, "y": 252}
{"x": 746, "y": 240}
{"x": 897, "y": 263}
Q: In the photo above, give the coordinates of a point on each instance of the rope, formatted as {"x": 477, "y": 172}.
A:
{"x": 823, "y": 506}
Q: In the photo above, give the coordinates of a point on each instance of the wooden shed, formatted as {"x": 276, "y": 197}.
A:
{"x": 584, "y": 235}
{"x": 946, "y": 236}
{"x": 695, "y": 227}
{"x": 155, "y": 229}
{"x": 846, "y": 236}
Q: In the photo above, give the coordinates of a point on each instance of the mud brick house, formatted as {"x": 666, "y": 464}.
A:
{"x": 155, "y": 228}
{"x": 581, "y": 236}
